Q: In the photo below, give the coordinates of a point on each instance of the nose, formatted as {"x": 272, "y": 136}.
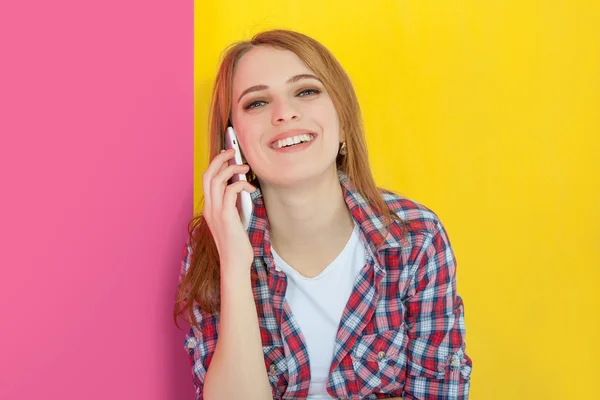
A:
{"x": 284, "y": 112}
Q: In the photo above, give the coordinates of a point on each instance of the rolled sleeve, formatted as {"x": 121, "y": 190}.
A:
{"x": 437, "y": 364}
{"x": 200, "y": 341}
{"x": 197, "y": 350}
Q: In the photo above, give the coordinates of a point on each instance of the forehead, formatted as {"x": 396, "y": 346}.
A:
{"x": 265, "y": 65}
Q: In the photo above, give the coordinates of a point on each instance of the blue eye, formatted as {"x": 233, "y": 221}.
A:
{"x": 254, "y": 104}
{"x": 309, "y": 91}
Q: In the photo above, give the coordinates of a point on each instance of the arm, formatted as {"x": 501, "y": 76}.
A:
{"x": 236, "y": 361}
{"x": 437, "y": 364}
{"x": 238, "y": 367}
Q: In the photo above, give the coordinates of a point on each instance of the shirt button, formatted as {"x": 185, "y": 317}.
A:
{"x": 455, "y": 361}
{"x": 273, "y": 368}
{"x": 381, "y": 355}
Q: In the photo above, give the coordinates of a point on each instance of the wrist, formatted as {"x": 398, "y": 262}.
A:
{"x": 234, "y": 274}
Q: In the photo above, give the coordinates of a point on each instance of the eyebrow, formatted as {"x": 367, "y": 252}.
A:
{"x": 293, "y": 79}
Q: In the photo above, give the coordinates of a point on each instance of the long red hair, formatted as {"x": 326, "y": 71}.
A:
{"x": 201, "y": 282}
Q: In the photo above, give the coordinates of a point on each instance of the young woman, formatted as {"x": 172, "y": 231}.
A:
{"x": 339, "y": 289}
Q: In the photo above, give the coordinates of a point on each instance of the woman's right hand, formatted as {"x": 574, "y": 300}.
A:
{"x": 221, "y": 214}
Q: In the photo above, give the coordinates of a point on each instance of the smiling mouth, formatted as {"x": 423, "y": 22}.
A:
{"x": 293, "y": 141}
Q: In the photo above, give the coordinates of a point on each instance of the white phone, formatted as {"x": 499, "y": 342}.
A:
{"x": 244, "y": 201}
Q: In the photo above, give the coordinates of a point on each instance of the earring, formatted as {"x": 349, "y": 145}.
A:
{"x": 343, "y": 150}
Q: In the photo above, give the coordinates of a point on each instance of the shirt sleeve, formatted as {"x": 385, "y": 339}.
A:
{"x": 200, "y": 341}
{"x": 437, "y": 364}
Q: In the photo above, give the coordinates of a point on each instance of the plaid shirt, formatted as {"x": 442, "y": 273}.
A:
{"x": 402, "y": 333}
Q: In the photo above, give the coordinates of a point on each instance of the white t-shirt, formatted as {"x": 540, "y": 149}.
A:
{"x": 317, "y": 305}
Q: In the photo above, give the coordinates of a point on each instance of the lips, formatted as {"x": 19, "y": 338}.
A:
{"x": 289, "y": 134}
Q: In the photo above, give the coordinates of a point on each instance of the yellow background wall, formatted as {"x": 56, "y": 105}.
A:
{"x": 488, "y": 113}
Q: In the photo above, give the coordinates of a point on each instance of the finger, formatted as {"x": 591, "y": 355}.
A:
{"x": 229, "y": 171}
{"x": 232, "y": 191}
{"x": 219, "y": 184}
{"x": 216, "y": 165}
{"x": 223, "y": 166}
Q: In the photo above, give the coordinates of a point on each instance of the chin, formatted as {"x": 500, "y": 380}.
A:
{"x": 286, "y": 176}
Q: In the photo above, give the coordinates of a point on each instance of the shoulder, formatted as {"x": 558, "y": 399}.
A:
{"x": 418, "y": 218}
{"x": 423, "y": 238}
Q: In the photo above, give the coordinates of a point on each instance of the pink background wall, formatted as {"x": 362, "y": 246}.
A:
{"x": 96, "y": 164}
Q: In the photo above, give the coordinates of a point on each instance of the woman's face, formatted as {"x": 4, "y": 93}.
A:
{"x": 277, "y": 101}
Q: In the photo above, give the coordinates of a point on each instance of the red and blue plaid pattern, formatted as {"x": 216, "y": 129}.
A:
{"x": 402, "y": 333}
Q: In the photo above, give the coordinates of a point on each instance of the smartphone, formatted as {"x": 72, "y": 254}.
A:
{"x": 244, "y": 201}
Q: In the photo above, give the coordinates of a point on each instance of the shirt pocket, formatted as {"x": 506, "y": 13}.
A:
{"x": 276, "y": 365}
{"x": 453, "y": 368}
{"x": 378, "y": 361}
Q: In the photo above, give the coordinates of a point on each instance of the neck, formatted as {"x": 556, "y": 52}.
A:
{"x": 309, "y": 216}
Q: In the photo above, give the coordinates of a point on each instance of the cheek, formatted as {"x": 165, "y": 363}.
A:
{"x": 249, "y": 145}
{"x": 327, "y": 113}
{"x": 330, "y": 121}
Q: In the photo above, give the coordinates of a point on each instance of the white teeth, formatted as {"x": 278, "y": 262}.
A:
{"x": 293, "y": 140}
